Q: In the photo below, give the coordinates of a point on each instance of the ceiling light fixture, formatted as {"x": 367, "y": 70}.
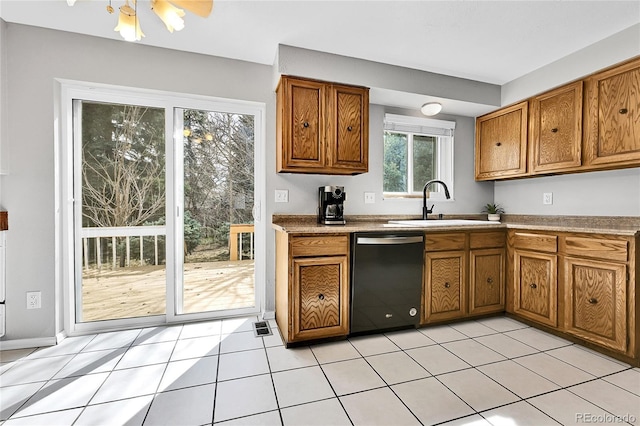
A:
{"x": 431, "y": 108}
{"x": 167, "y": 10}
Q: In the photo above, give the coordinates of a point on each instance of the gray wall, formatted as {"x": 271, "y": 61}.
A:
{"x": 606, "y": 193}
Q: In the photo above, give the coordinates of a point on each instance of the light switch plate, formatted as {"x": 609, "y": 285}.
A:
{"x": 369, "y": 197}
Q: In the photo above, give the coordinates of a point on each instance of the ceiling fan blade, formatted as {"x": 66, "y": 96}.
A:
{"x": 199, "y": 7}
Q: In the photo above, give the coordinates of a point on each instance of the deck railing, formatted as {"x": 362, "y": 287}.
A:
{"x": 235, "y": 240}
{"x": 126, "y": 232}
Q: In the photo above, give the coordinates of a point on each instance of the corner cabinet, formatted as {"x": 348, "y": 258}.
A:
{"x": 501, "y": 143}
{"x": 312, "y": 286}
{"x": 321, "y": 127}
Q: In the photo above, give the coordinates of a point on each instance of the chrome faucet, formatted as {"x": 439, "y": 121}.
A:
{"x": 425, "y": 209}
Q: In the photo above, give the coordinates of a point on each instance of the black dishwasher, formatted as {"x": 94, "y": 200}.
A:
{"x": 386, "y": 280}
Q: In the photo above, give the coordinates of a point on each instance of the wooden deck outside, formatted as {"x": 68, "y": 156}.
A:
{"x": 140, "y": 290}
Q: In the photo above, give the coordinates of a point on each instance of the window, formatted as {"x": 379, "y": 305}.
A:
{"x": 416, "y": 150}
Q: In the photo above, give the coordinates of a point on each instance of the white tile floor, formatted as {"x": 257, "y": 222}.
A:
{"x": 494, "y": 371}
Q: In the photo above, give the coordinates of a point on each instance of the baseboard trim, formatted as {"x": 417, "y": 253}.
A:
{"x": 267, "y": 315}
{"x": 8, "y": 345}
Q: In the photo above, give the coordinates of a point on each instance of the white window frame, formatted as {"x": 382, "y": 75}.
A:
{"x": 444, "y": 132}
{"x": 70, "y": 90}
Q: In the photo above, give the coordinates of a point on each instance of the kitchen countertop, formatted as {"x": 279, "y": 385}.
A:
{"x": 616, "y": 225}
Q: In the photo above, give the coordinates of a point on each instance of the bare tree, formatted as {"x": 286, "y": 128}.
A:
{"x": 125, "y": 188}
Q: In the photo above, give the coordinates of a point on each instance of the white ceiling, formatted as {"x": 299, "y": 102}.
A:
{"x": 489, "y": 41}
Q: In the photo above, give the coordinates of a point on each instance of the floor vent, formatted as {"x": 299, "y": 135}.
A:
{"x": 261, "y": 328}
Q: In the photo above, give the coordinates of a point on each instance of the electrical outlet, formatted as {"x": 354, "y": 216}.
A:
{"x": 34, "y": 300}
{"x": 547, "y": 198}
{"x": 369, "y": 197}
{"x": 282, "y": 195}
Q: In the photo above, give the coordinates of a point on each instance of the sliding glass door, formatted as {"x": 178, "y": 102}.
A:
{"x": 164, "y": 210}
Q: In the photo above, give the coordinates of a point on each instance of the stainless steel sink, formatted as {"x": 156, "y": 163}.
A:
{"x": 421, "y": 223}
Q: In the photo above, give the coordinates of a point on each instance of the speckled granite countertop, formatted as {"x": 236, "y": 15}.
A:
{"x": 617, "y": 225}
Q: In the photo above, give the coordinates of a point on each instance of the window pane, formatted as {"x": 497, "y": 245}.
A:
{"x": 123, "y": 212}
{"x": 219, "y": 179}
{"x": 395, "y": 162}
{"x": 424, "y": 160}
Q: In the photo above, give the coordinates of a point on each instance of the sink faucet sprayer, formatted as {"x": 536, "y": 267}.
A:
{"x": 425, "y": 209}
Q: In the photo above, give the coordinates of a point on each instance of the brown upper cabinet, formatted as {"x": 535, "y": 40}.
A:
{"x": 555, "y": 130}
{"x": 612, "y": 116}
{"x": 501, "y": 143}
{"x": 591, "y": 124}
{"x": 321, "y": 127}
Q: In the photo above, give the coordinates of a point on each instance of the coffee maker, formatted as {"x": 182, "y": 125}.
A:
{"x": 330, "y": 205}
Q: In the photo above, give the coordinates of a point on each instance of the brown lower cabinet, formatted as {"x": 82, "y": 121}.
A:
{"x": 312, "y": 286}
{"x": 536, "y": 290}
{"x": 579, "y": 285}
{"x": 486, "y": 280}
{"x": 464, "y": 275}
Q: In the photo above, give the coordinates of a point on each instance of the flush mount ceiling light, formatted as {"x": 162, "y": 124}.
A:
{"x": 431, "y": 108}
{"x": 167, "y": 10}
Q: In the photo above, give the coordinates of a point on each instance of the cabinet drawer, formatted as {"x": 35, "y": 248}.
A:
{"x": 597, "y": 247}
{"x": 538, "y": 242}
{"x": 486, "y": 240}
{"x": 436, "y": 242}
{"x": 321, "y": 245}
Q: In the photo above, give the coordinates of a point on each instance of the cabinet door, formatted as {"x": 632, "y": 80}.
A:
{"x": 555, "y": 125}
{"x": 501, "y": 143}
{"x": 444, "y": 285}
{"x": 320, "y": 297}
{"x": 536, "y": 288}
{"x": 486, "y": 281}
{"x": 348, "y": 129}
{"x": 596, "y": 302}
{"x": 300, "y": 125}
{"x": 612, "y": 114}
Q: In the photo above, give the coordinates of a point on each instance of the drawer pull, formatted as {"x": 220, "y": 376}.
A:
{"x": 489, "y": 280}
{"x": 349, "y": 128}
{"x": 593, "y": 300}
{"x": 554, "y": 130}
{"x": 623, "y": 111}
{"x": 499, "y": 144}
{"x": 447, "y": 285}
{"x": 533, "y": 285}
{"x": 305, "y": 124}
{"x": 321, "y": 296}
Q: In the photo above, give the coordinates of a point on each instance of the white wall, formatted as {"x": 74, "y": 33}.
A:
{"x": 606, "y": 193}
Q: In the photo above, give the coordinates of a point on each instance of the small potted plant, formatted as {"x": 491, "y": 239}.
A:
{"x": 493, "y": 211}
